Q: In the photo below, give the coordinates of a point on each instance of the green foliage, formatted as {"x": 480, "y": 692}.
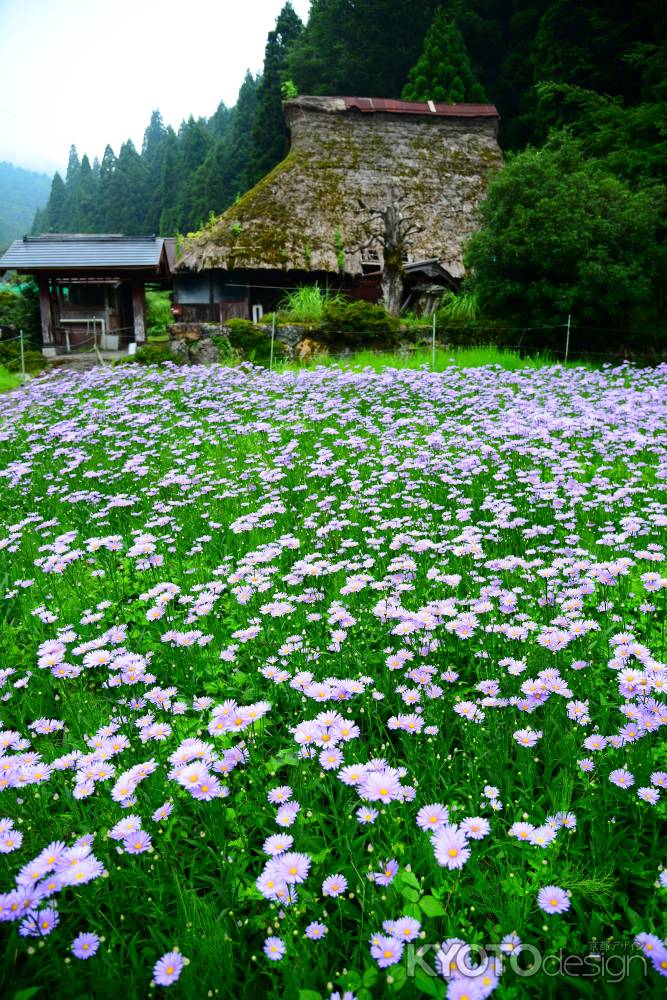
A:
{"x": 307, "y": 304}
{"x": 158, "y": 312}
{"x": 19, "y": 306}
{"x": 8, "y": 380}
{"x": 463, "y": 307}
{"x": 10, "y": 358}
{"x": 269, "y": 133}
{"x": 151, "y": 354}
{"x": 443, "y": 71}
{"x": 252, "y": 342}
{"x": 561, "y": 234}
{"x": 359, "y": 322}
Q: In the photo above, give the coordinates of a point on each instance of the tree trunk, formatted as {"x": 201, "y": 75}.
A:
{"x": 392, "y": 288}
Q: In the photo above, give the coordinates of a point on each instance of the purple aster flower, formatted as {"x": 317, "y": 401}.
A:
{"x": 387, "y": 873}
{"x": 622, "y": 778}
{"x": 316, "y": 930}
{"x": 475, "y": 827}
{"x": 283, "y": 793}
{"x": 366, "y": 815}
{"x": 46, "y": 920}
{"x": 168, "y": 968}
{"x": 163, "y": 812}
{"x": 511, "y": 944}
{"x": 137, "y": 843}
{"x": 334, "y": 885}
{"x": 552, "y": 899}
{"x": 277, "y": 844}
{"x": 274, "y": 948}
{"x": 450, "y": 847}
{"x": 287, "y": 814}
{"x": 404, "y": 929}
{"x": 293, "y": 867}
{"x": 432, "y": 817}
{"x": 386, "y": 950}
{"x": 85, "y": 945}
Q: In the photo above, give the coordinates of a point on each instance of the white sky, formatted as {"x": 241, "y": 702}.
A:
{"x": 90, "y": 72}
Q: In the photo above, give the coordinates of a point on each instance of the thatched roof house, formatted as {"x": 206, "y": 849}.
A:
{"x": 305, "y": 215}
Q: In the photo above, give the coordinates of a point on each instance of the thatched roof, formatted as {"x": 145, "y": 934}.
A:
{"x": 343, "y": 150}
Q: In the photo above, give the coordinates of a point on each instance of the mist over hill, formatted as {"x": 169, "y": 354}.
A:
{"x": 22, "y": 192}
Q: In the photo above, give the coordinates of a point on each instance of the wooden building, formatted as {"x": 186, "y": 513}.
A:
{"x": 92, "y": 288}
{"x": 310, "y": 218}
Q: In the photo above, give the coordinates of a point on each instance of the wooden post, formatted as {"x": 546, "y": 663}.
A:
{"x": 45, "y": 311}
{"x": 139, "y": 310}
{"x": 433, "y": 344}
{"x": 567, "y": 337}
{"x": 273, "y": 339}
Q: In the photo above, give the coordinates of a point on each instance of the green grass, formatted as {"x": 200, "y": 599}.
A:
{"x": 465, "y": 357}
{"x": 8, "y": 380}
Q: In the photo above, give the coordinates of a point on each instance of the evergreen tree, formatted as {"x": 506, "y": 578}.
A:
{"x": 126, "y": 207}
{"x": 269, "y": 135}
{"x": 443, "y": 71}
{"x": 363, "y": 47}
{"x": 152, "y": 154}
{"x": 86, "y": 199}
{"x": 70, "y": 209}
{"x": 226, "y": 164}
{"x": 107, "y": 167}
{"x": 169, "y": 186}
{"x": 55, "y": 208}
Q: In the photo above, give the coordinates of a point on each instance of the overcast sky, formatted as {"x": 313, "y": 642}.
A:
{"x": 90, "y": 72}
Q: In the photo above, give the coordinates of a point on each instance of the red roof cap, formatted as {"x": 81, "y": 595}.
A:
{"x": 390, "y": 106}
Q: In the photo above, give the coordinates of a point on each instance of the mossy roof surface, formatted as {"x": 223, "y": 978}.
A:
{"x": 306, "y": 208}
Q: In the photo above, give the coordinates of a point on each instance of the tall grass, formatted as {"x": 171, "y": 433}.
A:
{"x": 307, "y": 303}
{"x": 466, "y": 357}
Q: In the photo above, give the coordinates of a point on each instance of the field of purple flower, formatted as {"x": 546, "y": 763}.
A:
{"x": 333, "y": 684}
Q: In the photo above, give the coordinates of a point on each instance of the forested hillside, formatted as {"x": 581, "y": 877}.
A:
{"x": 542, "y": 64}
{"x": 581, "y": 86}
{"x": 21, "y": 193}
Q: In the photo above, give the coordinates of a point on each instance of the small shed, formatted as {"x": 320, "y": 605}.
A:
{"x": 92, "y": 288}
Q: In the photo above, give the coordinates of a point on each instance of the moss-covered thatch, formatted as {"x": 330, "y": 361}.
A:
{"x": 301, "y": 214}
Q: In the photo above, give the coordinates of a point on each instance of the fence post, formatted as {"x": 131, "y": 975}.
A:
{"x": 22, "y": 353}
{"x": 567, "y": 337}
{"x": 433, "y": 345}
{"x": 273, "y": 337}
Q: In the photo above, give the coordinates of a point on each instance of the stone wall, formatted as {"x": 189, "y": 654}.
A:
{"x": 193, "y": 343}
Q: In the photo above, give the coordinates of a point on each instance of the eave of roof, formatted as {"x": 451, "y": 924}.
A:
{"x": 62, "y": 251}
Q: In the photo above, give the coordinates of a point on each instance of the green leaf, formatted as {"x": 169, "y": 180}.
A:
{"x": 370, "y": 976}
{"x": 431, "y": 907}
{"x": 399, "y": 975}
{"x": 409, "y": 878}
{"x": 428, "y": 984}
{"x": 28, "y": 993}
{"x": 309, "y": 995}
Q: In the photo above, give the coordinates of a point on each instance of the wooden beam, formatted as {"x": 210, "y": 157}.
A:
{"x": 45, "y": 313}
{"x": 139, "y": 310}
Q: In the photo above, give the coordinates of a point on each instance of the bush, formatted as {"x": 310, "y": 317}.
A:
{"x": 19, "y": 307}
{"x": 151, "y": 354}
{"x": 252, "y": 342}
{"x": 359, "y": 322}
{"x": 10, "y": 358}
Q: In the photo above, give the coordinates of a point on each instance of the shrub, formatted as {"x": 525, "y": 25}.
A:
{"x": 151, "y": 354}
{"x": 360, "y": 322}
{"x": 252, "y": 342}
{"x": 10, "y": 358}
